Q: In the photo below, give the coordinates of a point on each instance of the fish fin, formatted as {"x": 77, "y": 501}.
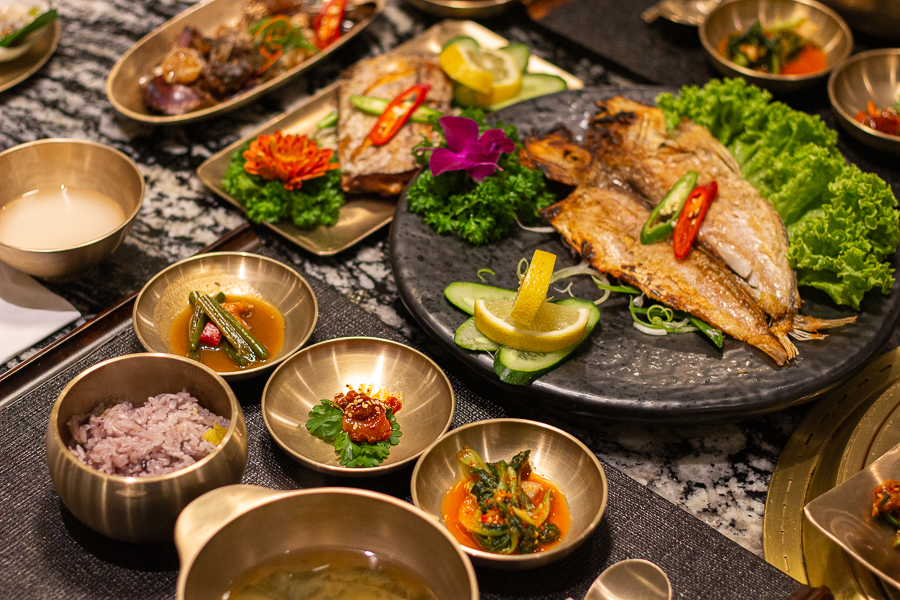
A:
{"x": 811, "y": 324}
{"x": 789, "y": 347}
{"x": 804, "y": 336}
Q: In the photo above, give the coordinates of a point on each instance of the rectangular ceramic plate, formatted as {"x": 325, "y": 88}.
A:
{"x": 123, "y": 84}
{"x": 365, "y": 213}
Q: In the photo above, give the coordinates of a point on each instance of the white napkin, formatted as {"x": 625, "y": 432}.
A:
{"x": 29, "y": 312}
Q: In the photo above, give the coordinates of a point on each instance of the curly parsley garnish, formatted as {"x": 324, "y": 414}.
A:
{"x": 325, "y": 423}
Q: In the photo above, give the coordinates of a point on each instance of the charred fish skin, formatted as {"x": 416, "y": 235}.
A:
{"x": 742, "y": 228}
{"x": 601, "y": 222}
{"x": 603, "y": 226}
{"x": 384, "y": 169}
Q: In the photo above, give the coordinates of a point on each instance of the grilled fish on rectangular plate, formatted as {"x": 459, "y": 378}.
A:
{"x": 384, "y": 169}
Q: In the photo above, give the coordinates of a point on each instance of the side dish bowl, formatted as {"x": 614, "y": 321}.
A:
{"x": 875, "y": 17}
{"x": 55, "y": 163}
{"x": 868, "y": 76}
{"x": 141, "y": 509}
{"x": 555, "y": 454}
{"x": 830, "y": 33}
{"x": 25, "y": 41}
{"x": 232, "y": 529}
{"x": 324, "y": 369}
{"x": 166, "y": 295}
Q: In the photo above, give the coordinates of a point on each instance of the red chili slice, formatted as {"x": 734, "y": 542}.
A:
{"x": 691, "y": 217}
{"x": 328, "y": 23}
{"x": 211, "y": 336}
{"x": 397, "y": 113}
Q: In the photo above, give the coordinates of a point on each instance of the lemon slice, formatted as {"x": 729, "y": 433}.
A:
{"x": 554, "y": 327}
{"x": 460, "y": 63}
{"x": 533, "y": 288}
{"x": 507, "y": 76}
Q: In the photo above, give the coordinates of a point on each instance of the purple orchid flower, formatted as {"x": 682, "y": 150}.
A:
{"x": 465, "y": 150}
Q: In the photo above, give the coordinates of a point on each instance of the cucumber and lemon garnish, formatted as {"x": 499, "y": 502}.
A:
{"x": 492, "y": 79}
{"x": 529, "y": 334}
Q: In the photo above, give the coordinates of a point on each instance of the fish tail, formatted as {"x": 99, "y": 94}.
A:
{"x": 789, "y": 347}
{"x": 812, "y": 324}
{"x": 771, "y": 346}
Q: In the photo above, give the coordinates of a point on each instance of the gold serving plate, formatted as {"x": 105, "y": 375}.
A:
{"x": 123, "y": 86}
{"x": 849, "y": 427}
{"x": 363, "y": 214}
{"x": 16, "y": 71}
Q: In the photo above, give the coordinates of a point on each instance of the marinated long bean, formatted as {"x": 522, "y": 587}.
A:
{"x": 220, "y": 317}
{"x": 248, "y": 337}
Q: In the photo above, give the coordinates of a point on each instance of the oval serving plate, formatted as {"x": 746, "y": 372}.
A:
{"x": 123, "y": 84}
{"x": 620, "y": 372}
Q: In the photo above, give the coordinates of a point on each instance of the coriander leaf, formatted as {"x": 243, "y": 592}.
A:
{"x": 325, "y": 421}
{"x": 362, "y": 454}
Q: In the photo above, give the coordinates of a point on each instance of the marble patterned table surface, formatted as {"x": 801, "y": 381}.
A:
{"x": 718, "y": 473}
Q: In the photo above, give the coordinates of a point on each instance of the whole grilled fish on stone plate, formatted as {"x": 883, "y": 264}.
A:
{"x": 601, "y": 220}
{"x": 741, "y": 228}
{"x": 384, "y": 169}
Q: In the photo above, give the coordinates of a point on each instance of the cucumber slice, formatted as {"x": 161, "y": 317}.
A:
{"x": 521, "y": 368}
{"x": 464, "y": 96}
{"x": 376, "y": 106}
{"x": 469, "y": 337}
{"x": 464, "y": 40}
{"x": 534, "y": 85}
{"x": 520, "y": 54}
{"x": 463, "y": 294}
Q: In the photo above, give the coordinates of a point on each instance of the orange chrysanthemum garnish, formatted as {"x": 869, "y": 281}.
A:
{"x": 288, "y": 158}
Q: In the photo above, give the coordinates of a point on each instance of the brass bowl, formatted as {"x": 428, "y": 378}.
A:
{"x": 164, "y": 296}
{"x": 23, "y": 45}
{"x": 324, "y": 369}
{"x": 832, "y": 34}
{"x": 53, "y": 163}
{"x": 141, "y": 509}
{"x": 872, "y": 75}
{"x": 875, "y": 17}
{"x": 234, "y": 528}
{"x": 555, "y": 454}
{"x": 463, "y": 9}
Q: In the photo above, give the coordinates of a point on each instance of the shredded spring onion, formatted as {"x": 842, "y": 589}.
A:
{"x": 535, "y": 229}
{"x": 522, "y": 267}
{"x": 488, "y": 271}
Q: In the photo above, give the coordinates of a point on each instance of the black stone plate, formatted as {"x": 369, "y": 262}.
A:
{"x": 619, "y": 372}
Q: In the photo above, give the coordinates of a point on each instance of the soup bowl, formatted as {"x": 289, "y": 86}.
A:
{"x": 141, "y": 509}
{"x": 250, "y": 275}
{"x": 324, "y": 369}
{"x": 830, "y": 33}
{"x": 555, "y": 455}
{"x": 66, "y": 163}
{"x": 233, "y": 529}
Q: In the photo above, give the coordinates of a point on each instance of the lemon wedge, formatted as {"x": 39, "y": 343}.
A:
{"x": 490, "y": 76}
{"x": 533, "y": 288}
{"x": 554, "y": 327}
{"x": 460, "y": 63}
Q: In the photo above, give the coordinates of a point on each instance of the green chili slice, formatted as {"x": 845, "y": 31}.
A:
{"x": 668, "y": 209}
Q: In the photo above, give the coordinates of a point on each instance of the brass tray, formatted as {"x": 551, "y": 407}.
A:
{"x": 16, "y": 71}
{"x": 365, "y": 213}
{"x": 848, "y": 428}
{"x": 122, "y": 84}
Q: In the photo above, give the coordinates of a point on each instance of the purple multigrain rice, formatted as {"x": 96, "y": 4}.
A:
{"x": 163, "y": 435}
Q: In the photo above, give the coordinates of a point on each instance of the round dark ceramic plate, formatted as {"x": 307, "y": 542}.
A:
{"x": 620, "y": 372}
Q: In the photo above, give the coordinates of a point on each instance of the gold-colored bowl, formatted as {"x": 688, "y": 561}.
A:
{"x": 831, "y": 33}
{"x": 555, "y": 455}
{"x": 123, "y": 85}
{"x": 52, "y": 163}
{"x": 872, "y": 75}
{"x": 324, "y": 369}
{"x": 463, "y": 9}
{"x": 141, "y": 509}
{"x": 875, "y": 17}
{"x": 22, "y": 45}
{"x": 235, "y": 528}
{"x": 165, "y": 296}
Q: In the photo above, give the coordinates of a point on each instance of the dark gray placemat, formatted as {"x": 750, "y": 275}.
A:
{"x": 46, "y": 553}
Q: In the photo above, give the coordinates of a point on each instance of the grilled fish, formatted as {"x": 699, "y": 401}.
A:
{"x": 601, "y": 221}
{"x": 384, "y": 169}
{"x": 741, "y": 228}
